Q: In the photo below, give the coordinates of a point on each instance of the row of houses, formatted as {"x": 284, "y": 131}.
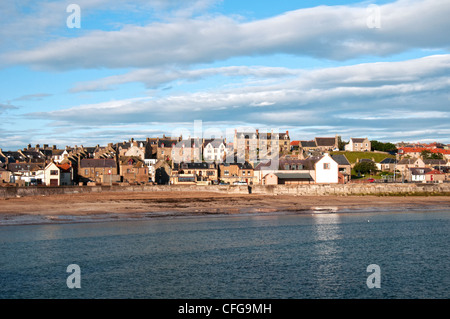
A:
{"x": 417, "y": 169}
{"x": 315, "y": 170}
{"x": 253, "y": 157}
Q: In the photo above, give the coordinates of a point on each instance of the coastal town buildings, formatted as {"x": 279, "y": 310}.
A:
{"x": 132, "y": 169}
{"x": 417, "y": 151}
{"x": 358, "y": 145}
{"x": 313, "y": 170}
{"x": 58, "y": 174}
{"x": 252, "y": 157}
{"x": 98, "y": 171}
{"x": 194, "y": 173}
{"x": 231, "y": 173}
{"x": 344, "y": 168}
{"x": 5, "y": 175}
{"x": 214, "y": 150}
{"x": 253, "y": 145}
{"x": 388, "y": 164}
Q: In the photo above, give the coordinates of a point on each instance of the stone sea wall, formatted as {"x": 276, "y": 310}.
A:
{"x": 296, "y": 190}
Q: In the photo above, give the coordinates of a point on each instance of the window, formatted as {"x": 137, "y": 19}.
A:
{"x": 86, "y": 172}
{"x": 226, "y": 173}
{"x": 248, "y": 173}
{"x": 326, "y": 165}
{"x": 53, "y": 172}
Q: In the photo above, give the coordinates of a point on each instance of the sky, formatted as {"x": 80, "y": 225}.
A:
{"x": 88, "y": 72}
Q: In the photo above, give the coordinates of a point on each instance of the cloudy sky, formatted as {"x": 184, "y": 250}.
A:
{"x": 139, "y": 69}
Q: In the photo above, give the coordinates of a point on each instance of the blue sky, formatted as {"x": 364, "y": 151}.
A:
{"x": 145, "y": 68}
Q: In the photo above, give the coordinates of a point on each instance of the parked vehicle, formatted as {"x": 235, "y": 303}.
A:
{"x": 239, "y": 183}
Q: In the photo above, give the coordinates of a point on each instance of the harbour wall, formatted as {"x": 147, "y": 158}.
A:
{"x": 295, "y": 190}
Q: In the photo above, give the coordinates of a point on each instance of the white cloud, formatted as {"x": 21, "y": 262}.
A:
{"x": 155, "y": 77}
{"x": 332, "y": 32}
{"x": 324, "y": 97}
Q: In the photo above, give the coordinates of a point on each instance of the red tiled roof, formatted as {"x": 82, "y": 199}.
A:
{"x": 435, "y": 172}
{"x": 420, "y": 149}
{"x": 295, "y": 143}
{"x": 64, "y": 167}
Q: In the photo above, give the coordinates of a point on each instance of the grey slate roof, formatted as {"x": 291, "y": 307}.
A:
{"x": 341, "y": 159}
{"x": 92, "y": 162}
{"x": 283, "y": 175}
{"x": 388, "y": 160}
{"x": 325, "y": 141}
{"x": 308, "y": 144}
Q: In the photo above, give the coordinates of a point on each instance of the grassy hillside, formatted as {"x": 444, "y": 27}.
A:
{"x": 353, "y": 156}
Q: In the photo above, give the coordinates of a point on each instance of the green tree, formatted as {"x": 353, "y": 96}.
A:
{"x": 365, "y": 167}
{"x": 429, "y": 155}
{"x": 383, "y": 147}
{"x": 341, "y": 144}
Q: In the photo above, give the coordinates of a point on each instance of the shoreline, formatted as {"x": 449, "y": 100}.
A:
{"x": 103, "y": 206}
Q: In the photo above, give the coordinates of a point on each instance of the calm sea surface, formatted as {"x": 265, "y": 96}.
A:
{"x": 252, "y": 256}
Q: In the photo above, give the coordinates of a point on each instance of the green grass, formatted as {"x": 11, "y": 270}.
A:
{"x": 354, "y": 156}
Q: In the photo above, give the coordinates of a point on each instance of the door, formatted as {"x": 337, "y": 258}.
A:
{"x": 53, "y": 182}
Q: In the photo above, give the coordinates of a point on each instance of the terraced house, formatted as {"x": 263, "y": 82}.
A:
{"x": 214, "y": 150}
{"x": 133, "y": 169}
{"x": 253, "y": 145}
{"x": 358, "y": 145}
{"x": 98, "y": 170}
{"x": 237, "y": 172}
{"x": 58, "y": 174}
{"x": 194, "y": 173}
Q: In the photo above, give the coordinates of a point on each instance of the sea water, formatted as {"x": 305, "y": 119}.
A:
{"x": 277, "y": 256}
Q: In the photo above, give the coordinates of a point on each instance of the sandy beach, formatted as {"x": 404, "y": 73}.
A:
{"x": 201, "y": 203}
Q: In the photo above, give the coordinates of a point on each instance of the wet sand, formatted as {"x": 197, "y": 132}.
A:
{"x": 201, "y": 203}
